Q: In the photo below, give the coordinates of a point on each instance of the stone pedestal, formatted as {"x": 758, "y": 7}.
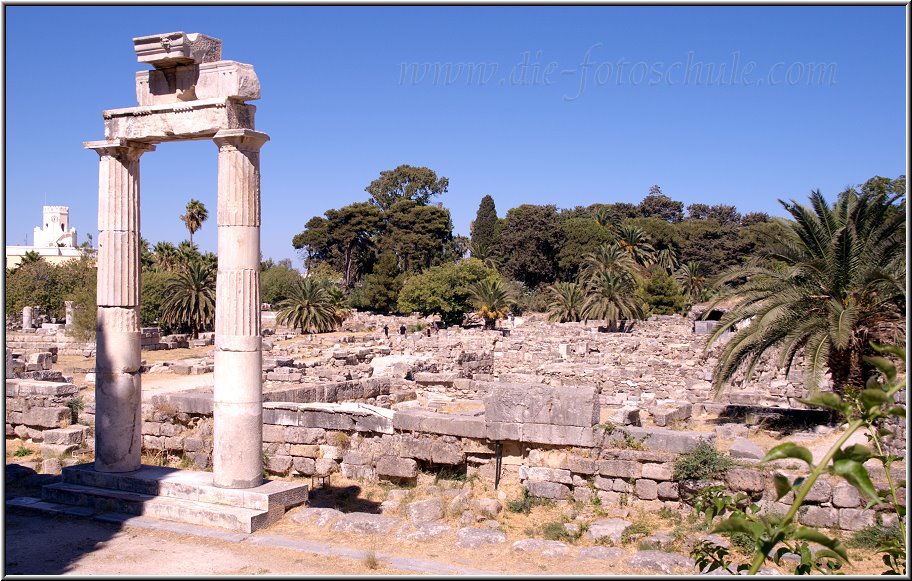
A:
{"x": 118, "y": 437}
{"x": 27, "y": 318}
{"x": 237, "y": 456}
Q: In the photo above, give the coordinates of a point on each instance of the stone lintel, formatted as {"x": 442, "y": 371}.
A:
{"x": 170, "y": 49}
{"x": 200, "y": 119}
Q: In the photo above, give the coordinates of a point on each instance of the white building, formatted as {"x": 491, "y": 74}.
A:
{"x": 55, "y": 241}
{"x": 55, "y": 233}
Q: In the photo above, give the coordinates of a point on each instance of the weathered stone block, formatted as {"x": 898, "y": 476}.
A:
{"x": 646, "y": 489}
{"x": 299, "y": 435}
{"x": 549, "y": 474}
{"x": 846, "y": 496}
{"x": 356, "y": 457}
{"x": 47, "y": 417}
{"x": 817, "y": 516}
{"x": 746, "y": 479}
{"x": 446, "y": 453}
{"x": 821, "y": 492}
{"x": 305, "y": 466}
{"x": 396, "y": 467}
{"x": 853, "y": 519}
{"x": 552, "y": 490}
{"x": 582, "y": 465}
{"x": 305, "y": 450}
{"x": 620, "y": 468}
{"x": 660, "y": 472}
{"x": 668, "y": 491}
{"x": 278, "y": 464}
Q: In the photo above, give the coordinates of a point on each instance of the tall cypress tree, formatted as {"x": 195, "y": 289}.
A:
{"x": 484, "y": 228}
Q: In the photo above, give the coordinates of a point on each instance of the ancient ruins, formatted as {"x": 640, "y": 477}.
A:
{"x": 563, "y": 411}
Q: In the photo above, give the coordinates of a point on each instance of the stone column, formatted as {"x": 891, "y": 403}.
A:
{"x": 27, "y": 317}
{"x": 118, "y": 436}
{"x": 68, "y": 307}
{"x": 237, "y": 450}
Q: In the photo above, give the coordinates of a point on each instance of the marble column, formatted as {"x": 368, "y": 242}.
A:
{"x": 118, "y": 421}
{"x": 27, "y": 318}
{"x": 237, "y": 451}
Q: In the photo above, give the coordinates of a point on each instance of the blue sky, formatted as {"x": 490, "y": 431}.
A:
{"x": 816, "y": 100}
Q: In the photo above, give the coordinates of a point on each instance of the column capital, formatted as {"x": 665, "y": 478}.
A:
{"x": 240, "y": 139}
{"x": 119, "y": 147}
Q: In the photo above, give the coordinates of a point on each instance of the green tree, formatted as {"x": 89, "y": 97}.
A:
{"x": 311, "y": 307}
{"x": 667, "y": 259}
{"x": 165, "y": 256}
{"x": 692, "y": 278}
{"x": 443, "y": 290}
{"x": 637, "y": 244}
{"x": 611, "y": 296}
{"x": 752, "y": 218}
{"x": 417, "y": 234}
{"x": 380, "y": 289}
{"x": 484, "y": 228}
{"x": 663, "y": 295}
{"x": 154, "y": 292}
{"x": 579, "y": 236}
{"x": 194, "y": 216}
{"x": 530, "y": 241}
{"x": 658, "y": 205}
{"x": 491, "y": 299}
{"x": 345, "y": 234}
{"x": 406, "y": 182}
{"x": 31, "y": 257}
{"x": 834, "y": 283}
{"x": 190, "y": 300}
{"x": 609, "y": 257}
{"x": 276, "y": 283}
{"x": 567, "y": 302}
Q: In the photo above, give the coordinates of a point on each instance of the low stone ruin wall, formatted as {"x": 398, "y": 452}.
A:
{"x": 41, "y": 411}
{"x": 46, "y": 340}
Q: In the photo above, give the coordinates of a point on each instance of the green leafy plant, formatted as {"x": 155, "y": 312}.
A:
{"x": 21, "y": 451}
{"x": 76, "y": 405}
{"x": 775, "y": 537}
{"x": 555, "y": 531}
{"x": 702, "y": 463}
{"x": 636, "y": 531}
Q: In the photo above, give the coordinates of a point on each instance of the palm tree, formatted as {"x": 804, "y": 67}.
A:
{"x": 190, "y": 298}
{"x": 187, "y": 252}
{"x": 835, "y": 283}
{"x": 692, "y": 278}
{"x": 309, "y": 307}
{"x": 608, "y": 257}
{"x": 165, "y": 255}
{"x": 637, "y": 243}
{"x": 492, "y": 299}
{"x": 31, "y": 257}
{"x": 667, "y": 259}
{"x": 486, "y": 254}
{"x": 603, "y": 217}
{"x": 566, "y": 302}
{"x": 611, "y": 297}
{"x": 194, "y": 217}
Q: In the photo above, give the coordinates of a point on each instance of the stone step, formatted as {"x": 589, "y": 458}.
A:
{"x": 101, "y": 500}
{"x": 190, "y": 485}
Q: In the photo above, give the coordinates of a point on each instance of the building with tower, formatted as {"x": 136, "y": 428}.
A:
{"x": 54, "y": 240}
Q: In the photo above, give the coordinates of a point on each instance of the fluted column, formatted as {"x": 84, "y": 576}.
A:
{"x": 237, "y": 454}
{"x": 118, "y": 396}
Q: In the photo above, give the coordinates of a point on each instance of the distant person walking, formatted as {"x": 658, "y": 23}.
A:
{"x": 386, "y": 331}
{"x": 402, "y": 329}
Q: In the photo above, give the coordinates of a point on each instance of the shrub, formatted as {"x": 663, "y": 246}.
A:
{"x": 875, "y": 536}
{"x": 702, "y": 463}
{"x": 555, "y": 531}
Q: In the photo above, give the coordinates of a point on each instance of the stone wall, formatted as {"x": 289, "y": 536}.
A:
{"x": 41, "y": 340}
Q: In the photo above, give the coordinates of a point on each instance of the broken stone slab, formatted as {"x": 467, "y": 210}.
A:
{"x": 472, "y": 538}
{"x": 420, "y": 420}
{"x": 366, "y": 524}
{"x": 316, "y": 516}
{"x": 66, "y": 436}
{"x": 744, "y": 448}
{"x": 609, "y": 529}
{"x": 422, "y": 531}
{"x": 601, "y": 553}
{"x": 667, "y": 440}
{"x": 427, "y": 510}
{"x": 660, "y": 561}
{"x": 541, "y": 404}
{"x": 541, "y": 547}
{"x": 665, "y": 414}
